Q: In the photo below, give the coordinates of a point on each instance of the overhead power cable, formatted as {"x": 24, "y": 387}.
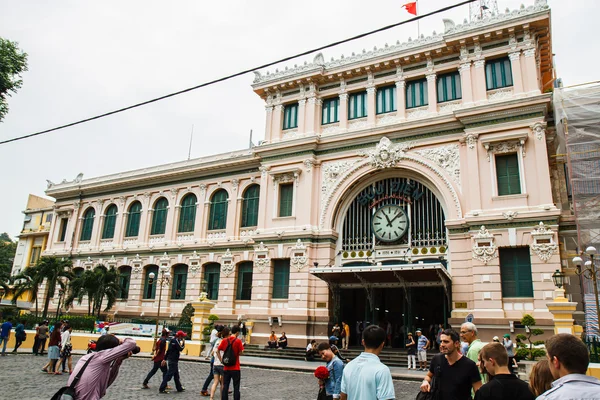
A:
{"x": 120, "y": 110}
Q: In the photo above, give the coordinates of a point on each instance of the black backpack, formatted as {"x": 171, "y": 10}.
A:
{"x": 229, "y": 357}
{"x": 68, "y": 392}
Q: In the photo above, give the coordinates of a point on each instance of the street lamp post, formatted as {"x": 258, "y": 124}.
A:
{"x": 165, "y": 277}
{"x": 589, "y": 271}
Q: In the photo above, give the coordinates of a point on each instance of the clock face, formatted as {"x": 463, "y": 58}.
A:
{"x": 389, "y": 223}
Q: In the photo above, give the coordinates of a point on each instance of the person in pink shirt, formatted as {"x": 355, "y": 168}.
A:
{"x": 103, "y": 369}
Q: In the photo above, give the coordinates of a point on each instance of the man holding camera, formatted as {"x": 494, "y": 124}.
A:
{"x": 176, "y": 346}
{"x": 103, "y": 369}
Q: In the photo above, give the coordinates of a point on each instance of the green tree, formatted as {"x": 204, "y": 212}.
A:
{"x": 13, "y": 62}
{"x": 8, "y": 249}
{"x": 82, "y": 286}
{"x": 56, "y": 271}
{"x": 528, "y": 321}
{"x": 29, "y": 280}
{"x": 107, "y": 287}
{"x": 186, "y": 315}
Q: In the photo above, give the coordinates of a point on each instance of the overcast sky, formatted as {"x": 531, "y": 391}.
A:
{"x": 87, "y": 58}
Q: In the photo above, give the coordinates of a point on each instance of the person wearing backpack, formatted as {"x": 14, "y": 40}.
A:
{"x": 232, "y": 348}
{"x": 176, "y": 346}
{"x": 158, "y": 357}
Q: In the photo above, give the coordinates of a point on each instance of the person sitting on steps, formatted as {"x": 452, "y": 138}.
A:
{"x": 282, "y": 342}
{"x": 272, "y": 342}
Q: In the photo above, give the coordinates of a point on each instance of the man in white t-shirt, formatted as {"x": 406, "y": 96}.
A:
{"x": 366, "y": 377}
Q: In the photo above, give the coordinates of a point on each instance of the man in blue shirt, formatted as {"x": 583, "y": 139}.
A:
{"x": 365, "y": 377}
{"x": 176, "y": 346}
{"x": 422, "y": 346}
{"x": 5, "y": 334}
{"x": 569, "y": 359}
{"x": 335, "y": 366}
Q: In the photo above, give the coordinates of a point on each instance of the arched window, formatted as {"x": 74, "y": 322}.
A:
{"x": 187, "y": 215}
{"x": 78, "y": 272}
{"x": 250, "y": 206}
{"x": 150, "y": 285}
{"x": 110, "y": 220}
{"x": 87, "y": 224}
{"x": 244, "y": 281}
{"x": 212, "y": 273}
{"x": 124, "y": 279}
{"x": 218, "y": 210}
{"x": 133, "y": 219}
{"x": 179, "y": 281}
{"x": 159, "y": 218}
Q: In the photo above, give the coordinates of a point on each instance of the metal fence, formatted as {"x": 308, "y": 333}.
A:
{"x": 593, "y": 345}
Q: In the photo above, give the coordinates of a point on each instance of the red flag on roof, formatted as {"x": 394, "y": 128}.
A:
{"x": 411, "y": 7}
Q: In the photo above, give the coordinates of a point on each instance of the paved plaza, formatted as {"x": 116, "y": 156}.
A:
{"x": 23, "y": 379}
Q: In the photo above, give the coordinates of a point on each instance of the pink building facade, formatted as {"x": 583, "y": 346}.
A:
{"x": 410, "y": 184}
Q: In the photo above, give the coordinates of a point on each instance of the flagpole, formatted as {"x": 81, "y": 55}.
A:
{"x": 418, "y": 26}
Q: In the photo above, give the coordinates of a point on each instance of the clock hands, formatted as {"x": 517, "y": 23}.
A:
{"x": 393, "y": 219}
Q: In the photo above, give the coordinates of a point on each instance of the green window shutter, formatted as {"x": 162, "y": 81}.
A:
{"x": 416, "y": 93}
{"x": 250, "y": 206}
{"x": 212, "y": 274}
{"x": 133, "y": 220}
{"x": 179, "y": 282}
{"x": 244, "y": 281}
{"x": 329, "y": 112}
{"x": 150, "y": 288}
{"x": 386, "y": 99}
{"x": 286, "y": 197}
{"x": 218, "y": 210}
{"x": 290, "y": 116}
{"x": 515, "y": 271}
{"x": 357, "y": 105}
{"x": 187, "y": 214}
{"x": 63, "y": 229}
{"x": 110, "y": 219}
{"x": 124, "y": 279}
{"x": 159, "y": 219}
{"x": 498, "y": 73}
{"x": 87, "y": 224}
{"x": 449, "y": 87}
{"x": 281, "y": 279}
{"x": 507, "y": 174}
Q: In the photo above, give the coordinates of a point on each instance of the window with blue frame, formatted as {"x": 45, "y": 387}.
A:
{"x": 448, "y": 87}
{"x": 386, "y": 99}
{"x": 290, "y": 116}
{"x": 416, "y": 93}
{"x": 329, "y": 113}
{"x": 357, "y": 105}
{"x": 498, "y": 73}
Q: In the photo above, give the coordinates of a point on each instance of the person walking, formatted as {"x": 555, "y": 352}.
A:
{"x": 217, "y": 369}
{"x": 346, "y": 335}
{"x": 158, "y": 358}
{"x": 455, "y": 374}
{"x": 231, "y": 372}
{"x": 468, "y": 333}
{"x": 20, "y": 335}
{"x": 5, "y": 334}
{"x": 331, "y": 388}
{"x": 42, "y": 332}
{"x": 65, "y": 352}
{"x": 53, "y": 349}
{"x": 411, "y": 349}
{"x": 210, "y": 355}
{"x": 422, "y": 345}
{"x": 569, "y": 360}
{"x": 176, "y": 346}
{"x": 366, "y": 377}
{"x": 243, "y": 331}
{"x": 503, "y": 385}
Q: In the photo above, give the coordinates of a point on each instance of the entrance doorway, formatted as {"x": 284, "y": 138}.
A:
{"x": 404, "y": 311}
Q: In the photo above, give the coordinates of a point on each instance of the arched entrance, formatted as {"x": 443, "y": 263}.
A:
{"x": 391, "y": 268}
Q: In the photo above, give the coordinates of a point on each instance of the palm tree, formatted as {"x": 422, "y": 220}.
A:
{"x": 81, "y": 286}
{"x": 107, "y": 286}
{"x": 28, "y": 280}
{"x": 54, "y": 270}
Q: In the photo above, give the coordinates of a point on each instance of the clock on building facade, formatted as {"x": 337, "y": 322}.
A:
{"x": 390, "y": 223}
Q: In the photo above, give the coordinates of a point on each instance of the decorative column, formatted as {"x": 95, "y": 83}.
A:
{"x": 199, "y": 215}
{"x": 170, "y": 226}
{"x": 277, "y": 125}
{"x": 401, "y": 97}
{"x": 145, "y": 220}
{"x": 318, "y": 113}
{"x": 202, "y": 309}
{"x": 311, "y": 109}
{"x": 562, "y": 311}
{"x": 532, "y": 84}
{"x": 541, "y": 156}
{"x": 301, "y": 115}
{"x": 432, "y": 93}
{"x": 120, "y": 226}
{"x": 474, "y": 196}
{"x": 268, "y": 122}
{"x": 515, "y": 64}
{"x": 343, "y": 111}
{"x": 480, "y": 90}
{"x": 465, "y": 82}
{"x": 371, "y": 104}
{"x": 264, "y": 197}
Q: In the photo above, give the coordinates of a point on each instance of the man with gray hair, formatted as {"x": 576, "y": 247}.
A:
{"x": 468, "y": 334}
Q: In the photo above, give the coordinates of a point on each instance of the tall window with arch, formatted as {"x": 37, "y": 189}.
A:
{"x": 150, "y": 285}
{"x": 187, "y": 214}
{"x": 87, "y": 224}
{"x": 110, "y": 221}
{"x": 159, "y": 218}
{"x": 244, "y": 281}
{"x": 179, "y": 281}
{"x": 212, "y": 273}
{"x": 218, "y": 210}
{"x": 250, "y": 206}
{"x": 124, "y": 279}
{"x": 133, "y": 219}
